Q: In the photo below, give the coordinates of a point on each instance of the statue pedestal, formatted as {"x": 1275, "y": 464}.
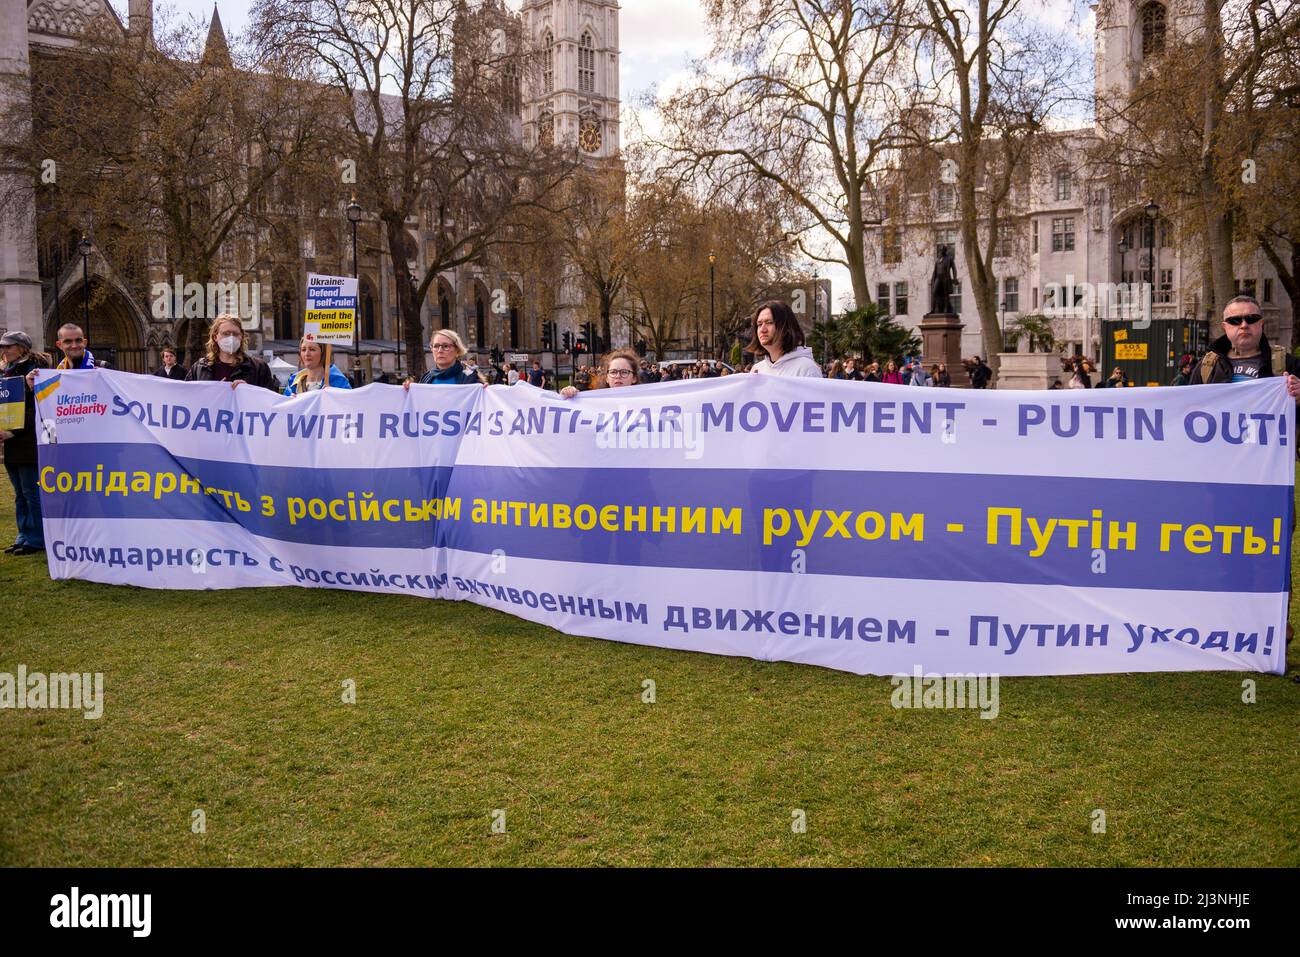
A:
{"x": 941, "y": 342}
{"x": 1029, "y": 370}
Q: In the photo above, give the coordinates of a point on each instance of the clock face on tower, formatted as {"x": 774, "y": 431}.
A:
{"x": 589, "y": 136}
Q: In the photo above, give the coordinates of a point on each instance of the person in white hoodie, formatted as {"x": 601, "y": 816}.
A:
{"x": 778, "y": 337}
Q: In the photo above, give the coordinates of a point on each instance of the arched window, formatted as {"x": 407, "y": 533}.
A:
{"x": 366, "y": 313}
{"x": 510, "y": 87}
{"x": 1153, "y": 29}
{"x": 586, "y": 65}
{"x": 548, "y": 64}
{"x": 480, "y": 314}
{"x": 546, "y": 128}
{"x": 444, "y": 309}
{"x": 283, "y": 313}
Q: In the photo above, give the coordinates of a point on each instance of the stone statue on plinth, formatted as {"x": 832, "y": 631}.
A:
{"x": 942, "y": 281}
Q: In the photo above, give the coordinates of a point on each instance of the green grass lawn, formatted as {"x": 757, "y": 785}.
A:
{"x": 230, "y": 702}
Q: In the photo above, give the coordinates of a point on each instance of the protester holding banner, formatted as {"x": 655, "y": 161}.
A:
{"x": 779, "y": 338}
{"x": 317, "y": 371}
{"x": 448, "y": 349}
{"x": 20, "y": 441}
{"x": 1242, "y": 353}
{"x": 226, "y": 360}
{"x": 73, "y": 344}
{"x": 618, "y": 369}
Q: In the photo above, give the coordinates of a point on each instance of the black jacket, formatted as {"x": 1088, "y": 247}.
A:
{"x": 21, "y": 449}
{"x": 178, "y": 372}
{"x": 979, "y": 376}
{"x": 251, "y": 370}
{"x": 1216, "y": 367}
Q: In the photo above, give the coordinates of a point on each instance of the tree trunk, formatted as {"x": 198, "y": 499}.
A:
{"x": 1218, "y": 225}
{"x": 408, "y": 306}
{"x": 196, "y": 332}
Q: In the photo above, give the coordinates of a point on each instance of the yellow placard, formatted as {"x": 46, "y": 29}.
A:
{"x": 13, "y": 409}
{"x": 1131, "y": 350}
{"x": 1121, "y": 335}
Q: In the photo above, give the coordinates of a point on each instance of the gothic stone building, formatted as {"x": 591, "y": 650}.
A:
{"x": 577, "y": 104}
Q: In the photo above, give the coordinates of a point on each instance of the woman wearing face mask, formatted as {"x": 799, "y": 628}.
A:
{"x": 618, "y": 369}
{"x": 317, "y": 372}
{"x": 226, "y": 360}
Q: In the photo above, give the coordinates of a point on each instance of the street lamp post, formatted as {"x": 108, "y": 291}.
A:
{"x": 713, "y": 348}
{"x": 84, "y": 248}
{"x": 1123, "y": 248}
{"x": 1002, "y": 323}
{"x": 354, "y": 217}
{"x": 817, "y": 311}
{"x": 1152, "y": 211}
{"x": 58, "y": 267}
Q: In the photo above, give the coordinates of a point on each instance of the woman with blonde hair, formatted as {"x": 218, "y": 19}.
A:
{"x": 317, "y": 371}
{"x": 448, "y": 349}
{"x": 226, "y": 360}
{"x": 618, "y": 369}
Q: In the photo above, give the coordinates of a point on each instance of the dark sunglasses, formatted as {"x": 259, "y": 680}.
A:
{"x": 1238, "y": 320}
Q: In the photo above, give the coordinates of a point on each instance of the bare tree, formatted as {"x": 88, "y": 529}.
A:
{"x": 996, "y": 79}
{"x": 1207, "y": 109}
{"x": 169, "y": 147}
{"x": 805, "y": 95}
{"x": 431, "y": 122}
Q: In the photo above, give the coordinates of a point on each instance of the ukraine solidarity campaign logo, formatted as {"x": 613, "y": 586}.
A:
{"x": 70, "y": 408}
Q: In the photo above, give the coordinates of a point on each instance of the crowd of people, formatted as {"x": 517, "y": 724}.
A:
{"x": 777, "y": 344}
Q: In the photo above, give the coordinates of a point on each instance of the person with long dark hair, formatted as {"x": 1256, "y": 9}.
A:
{"x": 779, "y": 339}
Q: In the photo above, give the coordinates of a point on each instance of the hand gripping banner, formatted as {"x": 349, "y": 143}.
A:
{"x": 864, "y": 527}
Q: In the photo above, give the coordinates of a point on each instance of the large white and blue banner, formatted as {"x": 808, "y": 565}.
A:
{"x": 869, "y": 528}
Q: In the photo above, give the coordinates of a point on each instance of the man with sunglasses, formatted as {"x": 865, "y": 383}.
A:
{"x": 1242, "y": 353}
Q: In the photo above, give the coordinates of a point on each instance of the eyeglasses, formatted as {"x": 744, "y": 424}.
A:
{"x": 618, "y": 373}
{"x": 442, "y": 345}
{"x": 1253, "y": 318}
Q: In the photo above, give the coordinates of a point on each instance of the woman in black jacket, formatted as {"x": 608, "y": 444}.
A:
{"x": 227, "y": 361}
{"x": 20, "y": 445}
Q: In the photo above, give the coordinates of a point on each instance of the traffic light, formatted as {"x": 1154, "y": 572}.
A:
{"x": 581, "y": 344}
{"x": 568, "y": 341}
{"x": 546, "y": 335}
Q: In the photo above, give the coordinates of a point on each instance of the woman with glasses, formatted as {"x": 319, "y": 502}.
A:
{"x": 448, "y": 349}
{"x": 618, "y": 369}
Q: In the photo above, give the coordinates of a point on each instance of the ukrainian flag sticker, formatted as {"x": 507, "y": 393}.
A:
{"x": 47, "y": 388}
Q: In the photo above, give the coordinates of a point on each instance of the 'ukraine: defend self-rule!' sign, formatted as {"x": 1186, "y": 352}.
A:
{"x": 331, "y": 308}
